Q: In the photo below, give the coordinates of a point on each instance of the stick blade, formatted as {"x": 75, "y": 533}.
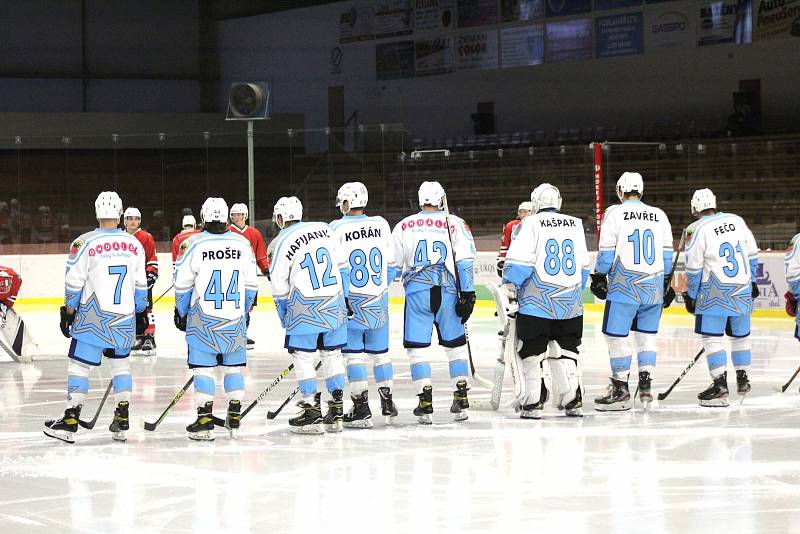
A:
{"x": 661, "y": 396}
{"x": 150, "y": 426}
{"x": 484, "y": 405}
{"x": 87, "y": 425}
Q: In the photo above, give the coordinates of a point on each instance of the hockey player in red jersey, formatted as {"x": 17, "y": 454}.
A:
{"x": 189, "y": 229}
{"x": 508, "y": 233}
{"x": 238, "y": 225}
{"x": 145, "y": 344}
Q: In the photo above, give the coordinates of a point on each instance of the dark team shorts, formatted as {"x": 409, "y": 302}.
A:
{"x": 536, "y": 332}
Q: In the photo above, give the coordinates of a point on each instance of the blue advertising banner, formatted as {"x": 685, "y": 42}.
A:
{"x": 602, "y": 5}
{"x": 563, "y": 8}
{"x": 618, "y": 35}
{"x": 568, "y": 40}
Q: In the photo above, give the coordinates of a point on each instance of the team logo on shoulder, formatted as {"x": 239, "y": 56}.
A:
{"x": 689, "y": 235}
{"x": 791, "y": 244}
{"x": 76, "y": 246}
{"x": 184, "y": 246}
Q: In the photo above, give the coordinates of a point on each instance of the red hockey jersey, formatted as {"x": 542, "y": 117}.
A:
{"x": 256, "y": 243}
{"x": 182, "y": 236}
{"x": 149, "y": 246}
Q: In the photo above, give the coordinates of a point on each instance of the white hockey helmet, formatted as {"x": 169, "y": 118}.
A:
{"x": 431, "y": 193}
{"x": 546, "y": 196}
{"x": 356, "y": 195}
{"x": 289, "y": 209}
{"x": 240, "y": 208}
{"x": 214, "y": 209}
{"x": 133, "y": 212}
{"x": 628, "y": 182}
{"x": 189, "y": 220}
{"x": 703, "y": 199}
{"x": 527, "y": 206}
{"x": 108, "y": 205}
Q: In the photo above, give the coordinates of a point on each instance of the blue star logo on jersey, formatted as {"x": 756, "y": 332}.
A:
{"x": 219, "y": 335}
{"x": 734, "y": 298}
{"x": 325, "y": 313}
{"x": 109, "y": 328}
{"x": 538, "y": 294}
{"x": 639, "y": 287}
{"x": 568, "y": 303}
{"x": 430, "y": 275}
{"x": 369, "y": 311}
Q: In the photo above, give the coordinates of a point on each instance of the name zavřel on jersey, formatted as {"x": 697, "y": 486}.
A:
{"x": 105, "y": 282}
{"x": 215, "y": 285}
{"x": 549, "y": 264}
{"x": 366, "y": 242}
{"x": 635, "y": 251}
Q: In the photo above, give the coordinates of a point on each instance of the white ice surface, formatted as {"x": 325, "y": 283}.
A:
{"x": 679, "y": 468}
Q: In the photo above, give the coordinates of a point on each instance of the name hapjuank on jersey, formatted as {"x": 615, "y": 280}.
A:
{"x": 304, "y": 240}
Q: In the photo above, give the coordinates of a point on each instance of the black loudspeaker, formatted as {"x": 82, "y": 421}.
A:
{"x": 248, "y": 101}
{"x": 483, "y": 120}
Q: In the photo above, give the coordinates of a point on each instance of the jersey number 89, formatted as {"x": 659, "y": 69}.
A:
{"x": 361, "y": 271}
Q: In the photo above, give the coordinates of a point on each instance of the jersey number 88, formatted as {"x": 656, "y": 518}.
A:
{"x": 559, "y": 258}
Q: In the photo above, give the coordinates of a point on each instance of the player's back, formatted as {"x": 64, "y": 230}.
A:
{"x": 560, "y": 247}
{"x": 724, "y": 248}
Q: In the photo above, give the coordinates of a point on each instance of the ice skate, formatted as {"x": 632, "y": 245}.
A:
{"x": 309, "y": 420}
{"x": 359, "y": 415}
{"x": 333, "y": 418}
{"x": 743, "y": 386}
{"x": 618, "y": 397}
{"x": 120, "y": 425}
{"x": 460, "y": 402}
{"x": 203, "y": 428}
{"x": 534, "y": 410}
{"x": 645, "y": 388}
{"x": 148, "y": 347}
{"x": 388, "y": 408}
{"x": 233, "y": 420}
{"x": 137, "y": 345}
{"x": 424, "y": 410}
{"x": 250, "y": 344}
{"x": 573, "y": 407}
{"x": 64, "y": 428}
{"x": 717, "y": 393}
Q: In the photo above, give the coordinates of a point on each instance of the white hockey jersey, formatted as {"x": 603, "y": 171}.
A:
{"x": 310, "y": 278}
{"x": 549, "y": 264}
{"x": 635, "y": 251}
{"x": 367, "y": 243}
{"x": 423, "y": 252}
{"x": 215, "y": 284}
{"x": 721, "y": 263}
{"x": 106, "y": 282}
{"x": 792, "y": 265}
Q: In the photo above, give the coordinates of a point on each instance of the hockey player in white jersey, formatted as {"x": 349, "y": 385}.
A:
{"x": 423, "y": 251}
{"x": 548, "y": 265}
{"x": 366, "y": 242}
{"x": 635, "y": 252}
{"x": 721, "y": 263}
{"x": 310, "y": 279}
{"x": 106, "y": 287}
{"x": 792, "y": 265}
{"x": 215, "y": 284}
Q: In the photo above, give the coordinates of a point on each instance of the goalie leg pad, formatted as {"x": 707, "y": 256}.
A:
{"x": 566, "y": 379}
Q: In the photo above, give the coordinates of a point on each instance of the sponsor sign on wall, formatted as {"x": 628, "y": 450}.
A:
{"x": 563, "y": 8}
{"x": 394, "y": 60}
{"x": 393, "y": 18}
{"x": 477, "y": 51}
{"x": 668, "y": 27}
{"x": 724, "y": 22}
{"x": 357, "y": 23}
{"x": 476, "y": 13}
{"x": 515, "y": 10}
{"x": 618, "y": 35}
{"x": 568, "y": 40}
{"x": 520, "y": 47}
{"x": 434, "y": 15}
{"x": 776, "y": 19}
{"x": 435, "y": 56}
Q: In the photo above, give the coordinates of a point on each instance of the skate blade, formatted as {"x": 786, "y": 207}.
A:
{"x": 62, "y": 435}
{"x": 715, "y": 403}
{"x": 530, "y": 414}
{"x": 461, "y": 416}
{"x": 336, "y": 426}
{"x": 119, "y": 435}
{"x": 204, "y": 435}
{"x": 389, "y": 419}
{"x": 361, "y": 423}
{"x": 426, "y": 419}
{"x": 575, "y": 412}
{"x": 616, "y": 407}
{"x": 233, "y": 433}
{"x": 307, "y": 429}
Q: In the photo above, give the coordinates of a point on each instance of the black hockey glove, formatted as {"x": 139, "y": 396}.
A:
{"x": 499, "y": 267}
{"x": 66, "y": 321}
{"x": 465, "y": 304}
{"x": 151, "y": 279}
{"x": 791, "y": 304}
{"x": 141, "y": 323}
{"x": 350, "y": 311}
{"x": 689, "y": 302}
{"x": 754, "y": 292}
{"x": 180, "y": 322}
{"x": 599, "y": 285}
{"x": 669, "y": 293}
{"x": 246, "y": 320}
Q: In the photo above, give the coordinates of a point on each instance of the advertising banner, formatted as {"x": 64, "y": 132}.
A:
{"x": 477, "y": 51}
{"x": 563, "y": 8}
{"x": 394, "y": 60}
{"x": 776, "y": 19}
{"x": 477, "y": 13}
{"x": 618, "y": 35}
{"x": 393, "y": 18}
{"x": 434, "y": 15}
{"x": 435, "y": 56}
{"x": 521, "y": 47}
{"x": 516, "y": 10}
{"x": 724, "y": 22}
{"x": 357, "y": 23}
{"x": 668, "y": 27}
{"x": 568, "y": 40}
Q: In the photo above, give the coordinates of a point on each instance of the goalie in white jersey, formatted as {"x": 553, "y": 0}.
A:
{"x": 310, "y": 279}
{"x": 215, "y": 285}
{"x": 366, "y": 241}
{"x": 721, "y": 263}
{"x": 106, "y": 286}
{"x": 423, "y": 250}
{"x": 548, "y": 264}
{"x": 635, "y": 252}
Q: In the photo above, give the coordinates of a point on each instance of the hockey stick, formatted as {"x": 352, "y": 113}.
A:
{"x": 500, "y": 367}
{"x": 475, "y": 376}
{"x": 90, "y": 424}
{"x": 784, "y": 387}
{"x": 662, "y": 396}
{"x": 273, "y": 415}
{"x": 164, "y": 293}
{"x": 221, "y": 422}
{"x": 152, "y": 426}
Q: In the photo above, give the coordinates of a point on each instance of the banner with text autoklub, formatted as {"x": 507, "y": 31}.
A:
{"x": 724, "y": 22}
{"x": 776, "y": 19}
{"x": 435, "y": 56}
{"x": 669, "y": 26}
{"x": 477, "y": 51}
{"x": 357, "y": 23}
{"x": 434, "y": 15}
{"x": 522, "y": 46}
{"x": 393, "y": 18}
{"x": 618, "y": 35}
